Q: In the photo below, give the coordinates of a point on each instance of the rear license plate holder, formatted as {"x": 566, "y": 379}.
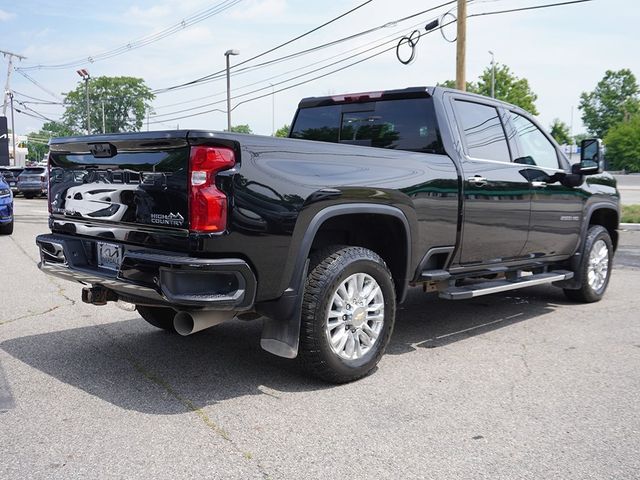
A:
{"x": 109, "y": 256}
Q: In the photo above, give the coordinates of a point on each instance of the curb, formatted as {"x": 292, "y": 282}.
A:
{"x": 630, "y": 226}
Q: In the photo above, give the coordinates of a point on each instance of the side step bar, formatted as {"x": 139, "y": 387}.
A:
{"x": 486, "y": 288}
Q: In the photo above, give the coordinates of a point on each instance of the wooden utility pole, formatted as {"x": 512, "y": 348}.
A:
{"x": 461, "y": 46}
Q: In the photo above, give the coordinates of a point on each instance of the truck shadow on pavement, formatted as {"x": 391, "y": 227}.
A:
{"x": 136, "y": 367}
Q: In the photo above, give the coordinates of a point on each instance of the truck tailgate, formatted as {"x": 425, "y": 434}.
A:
{"x": 130, "y": 187}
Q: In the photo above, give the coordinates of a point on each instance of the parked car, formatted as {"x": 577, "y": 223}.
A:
{"x": 11, "y": 176}
{"x": 323, "y": 233}
{"x": 33, "y": 181}
{"x": 6, "y": 208}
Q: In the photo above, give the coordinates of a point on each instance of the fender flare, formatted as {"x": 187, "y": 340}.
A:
{"x": 281, "y": 327}
{"x": 575, "y": 260}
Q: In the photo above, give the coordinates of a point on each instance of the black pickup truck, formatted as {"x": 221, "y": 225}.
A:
{"x": 321, "y": 234}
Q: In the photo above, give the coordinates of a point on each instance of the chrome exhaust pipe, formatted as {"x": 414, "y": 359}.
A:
{"x": 186, "y": 323}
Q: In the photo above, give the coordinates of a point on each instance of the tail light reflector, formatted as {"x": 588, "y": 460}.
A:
{"x": 207, "y": 204}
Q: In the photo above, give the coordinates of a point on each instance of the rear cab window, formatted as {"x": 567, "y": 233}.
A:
{"x": 402, "y": 124}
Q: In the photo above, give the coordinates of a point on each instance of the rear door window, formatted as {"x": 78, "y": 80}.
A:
{"x": 482, "y": 131}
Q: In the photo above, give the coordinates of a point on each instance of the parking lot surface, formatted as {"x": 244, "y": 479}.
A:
{"x": 521, "y": 385}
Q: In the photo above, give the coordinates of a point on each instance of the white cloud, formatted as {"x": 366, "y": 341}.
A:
{"x": 4, "y": 15}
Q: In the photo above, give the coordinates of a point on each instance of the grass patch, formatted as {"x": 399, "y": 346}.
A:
{"x": 630, "y": 214}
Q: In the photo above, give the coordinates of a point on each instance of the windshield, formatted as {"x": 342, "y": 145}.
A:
{"x": 32, "y": 171}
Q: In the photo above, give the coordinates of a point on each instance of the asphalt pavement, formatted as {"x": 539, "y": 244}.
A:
{"x": 629, "y": 187}
{"x": 521, "y": 385}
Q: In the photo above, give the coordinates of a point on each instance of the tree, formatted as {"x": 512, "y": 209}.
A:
{"x": 508, "y": 87}
{"x": 623, "y": 145}
{"x": 283, "y": 131}
{"x": 241, "y": 129}
{"x": 615, "y": 99}
{"x": 37, "y": 142}
{"x": 125, "y": 101}
{"x": 560, "y": 131}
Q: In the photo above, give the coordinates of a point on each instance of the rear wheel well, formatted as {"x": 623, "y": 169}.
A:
{"x": 608, "y": 218}
{"x": 383, "y": 234}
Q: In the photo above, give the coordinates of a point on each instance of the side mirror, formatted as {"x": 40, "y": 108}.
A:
{"x": 590, "y": 157}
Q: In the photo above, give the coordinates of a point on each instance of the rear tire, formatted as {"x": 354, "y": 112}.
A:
{"x": 595, "y": 266}
{"x": 6, "y": 228}
{"x": 348, "y": 313}
{"x": 159, "y": 317}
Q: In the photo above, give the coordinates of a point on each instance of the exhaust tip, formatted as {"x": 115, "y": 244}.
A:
{"x": 183, "y": 323}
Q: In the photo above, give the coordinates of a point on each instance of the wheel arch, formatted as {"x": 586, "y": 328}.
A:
{"x": 281, "y": 329}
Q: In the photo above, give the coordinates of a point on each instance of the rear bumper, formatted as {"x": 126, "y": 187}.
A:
{"x": 152, "y": 277}
{"x": 31, "y": 189}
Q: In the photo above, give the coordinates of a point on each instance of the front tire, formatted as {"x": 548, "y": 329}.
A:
{"x": 595, "y": 266}
{"x": 348, "y": 314}
{"x": 159, "y": 317}
{"x": 7, "y": 228}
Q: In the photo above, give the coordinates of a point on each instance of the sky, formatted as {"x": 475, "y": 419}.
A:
{"x": 562, "y": 51}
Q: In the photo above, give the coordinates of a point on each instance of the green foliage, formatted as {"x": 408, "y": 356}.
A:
{"x": 577, "y": 139}
{"x": 241, "y": 129}
{"x": 615, "y": 99}
{"x": 283, "y": 131}
{"x": 37, "y": 142}
{"x": 623, "y": 145}
{"x": 508, "y": 87}
{"x": 125, "y": 99}
{"x": 630, "y": 214}
{"x": 560, "y": 131}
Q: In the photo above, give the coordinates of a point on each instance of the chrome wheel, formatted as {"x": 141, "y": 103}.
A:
{"x": 356, "y": 316}
{"x": 598, "y": 267}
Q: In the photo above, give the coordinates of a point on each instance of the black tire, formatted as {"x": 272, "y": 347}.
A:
{"x": 159, "y": 317}
{"x": 328, "y": 270}
{"x": 6, "y": 228}
{"x": 587, "y": 293}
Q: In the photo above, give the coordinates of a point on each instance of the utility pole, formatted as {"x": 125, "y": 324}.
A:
{"x": 13, "y": 127}
{"x": 461, "y": 46}
{"x": 273, "y": 111}
{"x": 7, "y": 85}
{"x": 227, "y": 54}
{"x": 84, "y": 74}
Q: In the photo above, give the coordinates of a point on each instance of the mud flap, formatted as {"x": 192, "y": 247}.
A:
{"x": 281, "y": 326}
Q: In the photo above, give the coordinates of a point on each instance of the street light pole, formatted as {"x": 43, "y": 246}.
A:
{"x": 227, "y": 54}
{"x": 84, "y": 74}
{"x": 493, "y": 75}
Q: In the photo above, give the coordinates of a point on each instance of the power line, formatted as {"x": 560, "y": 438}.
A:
{"x": 37, "y": 84}
{"x": 36, "y": 98}
{"x": 533, "y": 7}
{"x": 368, "y": 58}
{"x": 273, "y": 49}
{"x": 349, "y": 56}
{"x": 143, "y": 41}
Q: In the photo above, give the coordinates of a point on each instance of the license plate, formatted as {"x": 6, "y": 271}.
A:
{"x": 109, "y": 255}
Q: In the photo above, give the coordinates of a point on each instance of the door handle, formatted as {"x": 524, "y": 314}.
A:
{"x": 538, "y": 184}
{"x": 477, "y": 180}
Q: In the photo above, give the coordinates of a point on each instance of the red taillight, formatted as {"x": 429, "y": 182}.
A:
{"x": 207, "y": 204}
